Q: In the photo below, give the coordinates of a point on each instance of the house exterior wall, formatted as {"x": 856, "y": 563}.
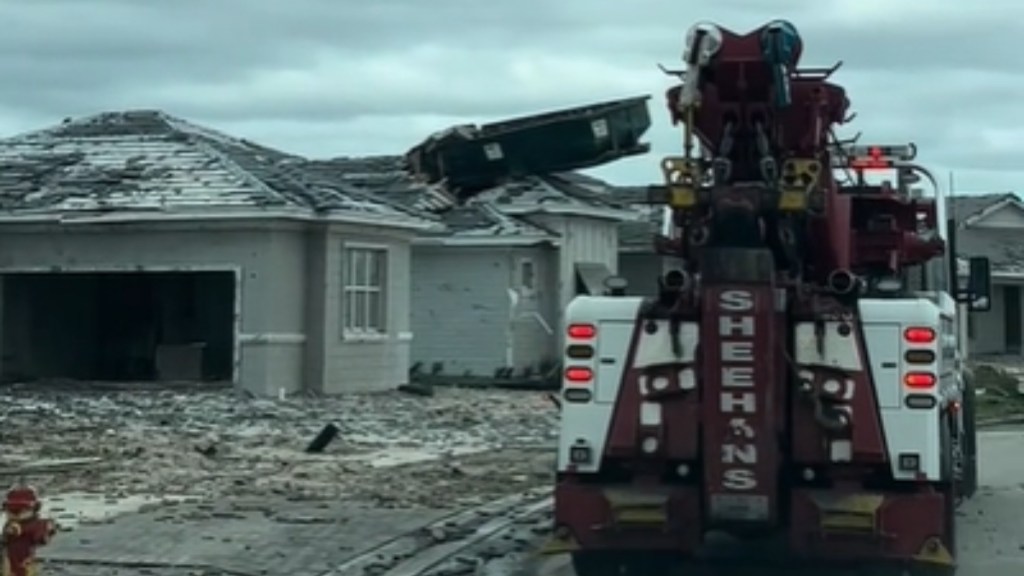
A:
{"x": 534, "y": 325}
{"x": 582, "y": 240}
{"x": 471, "y": 312}
{"x": 269, "y": 261}
{"x": 361, "y": 363}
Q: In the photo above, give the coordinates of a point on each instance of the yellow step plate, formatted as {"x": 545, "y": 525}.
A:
{"x": 849, "y": 513}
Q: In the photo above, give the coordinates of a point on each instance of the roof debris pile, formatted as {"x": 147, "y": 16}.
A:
{"x": 391, "y": 450}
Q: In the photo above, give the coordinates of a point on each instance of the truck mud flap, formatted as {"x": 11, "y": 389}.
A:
{"x": 637, "y": 510}
{"x": 849, "y": 514}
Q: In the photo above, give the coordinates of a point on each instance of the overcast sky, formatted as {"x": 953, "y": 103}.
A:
{"x": 351, "y": 77}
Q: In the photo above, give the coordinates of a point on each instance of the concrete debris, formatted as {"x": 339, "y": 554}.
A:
{"x": 460, "y": 447}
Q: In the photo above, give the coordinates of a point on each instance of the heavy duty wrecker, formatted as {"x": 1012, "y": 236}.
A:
{"x": 797, "y": 379}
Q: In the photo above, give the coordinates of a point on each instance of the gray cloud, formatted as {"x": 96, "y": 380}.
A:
{"x": 326, "y": 77}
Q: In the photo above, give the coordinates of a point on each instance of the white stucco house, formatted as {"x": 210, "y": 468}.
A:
{"x": 138, "y": 246}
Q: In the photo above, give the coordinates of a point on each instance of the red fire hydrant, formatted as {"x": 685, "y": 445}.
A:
{"x": 24, "y": 531}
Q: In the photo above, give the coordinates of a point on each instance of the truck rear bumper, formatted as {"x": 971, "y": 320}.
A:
{"x": 825, "y": 526}
{"x": 606, "y": 518}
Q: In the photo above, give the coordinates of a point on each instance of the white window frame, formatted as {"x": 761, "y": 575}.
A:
{"x": 520, "y": 278}
{"x": 352, "y": 287}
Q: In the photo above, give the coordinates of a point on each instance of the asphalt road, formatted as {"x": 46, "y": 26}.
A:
{"x": 992, "y": 523}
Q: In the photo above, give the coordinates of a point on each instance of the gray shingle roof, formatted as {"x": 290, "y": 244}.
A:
{"x": 148, "y": 161}
{"x": 491, "y": 213}
{"x": 385, "y": 177}
{"x": 1004, "y": 249}
{"x": 962, "y": 207}
{"x": 485, "y": 222}
{"x": 551, "y": 193}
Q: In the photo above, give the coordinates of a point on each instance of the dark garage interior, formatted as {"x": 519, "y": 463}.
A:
{"x": 118, "y": 326}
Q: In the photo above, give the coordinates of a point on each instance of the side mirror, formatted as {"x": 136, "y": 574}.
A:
{"x": 979, "y": 285}
{"x": 615, "y": 286}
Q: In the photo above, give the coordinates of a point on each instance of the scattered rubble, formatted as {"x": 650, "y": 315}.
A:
{"x": 457, "y": 447}
{"x": 1000, "y": 390}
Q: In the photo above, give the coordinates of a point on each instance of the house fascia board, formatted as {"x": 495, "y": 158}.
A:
{"x": 512, "y": 241}
{"x": 584, "y": 211}
{"x": 71, "y": 218}
{"x": 996, "y": 275}
{"x": 636, "y": 250}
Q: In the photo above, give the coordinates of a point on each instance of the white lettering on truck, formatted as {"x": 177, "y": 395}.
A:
{"x": 737, "y": 397}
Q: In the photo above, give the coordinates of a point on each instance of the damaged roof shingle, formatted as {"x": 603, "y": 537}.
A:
{"x": 147, "y": 160}
{"x": 492, "y": 212}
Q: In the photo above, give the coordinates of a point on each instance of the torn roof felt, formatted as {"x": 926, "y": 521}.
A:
{"x": 149, "y": 161}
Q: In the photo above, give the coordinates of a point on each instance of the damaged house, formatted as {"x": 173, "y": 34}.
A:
{"x": 524, "y": 233}
{"x": 137, "y": 246}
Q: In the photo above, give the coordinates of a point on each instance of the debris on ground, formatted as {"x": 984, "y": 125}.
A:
{"x": 998, "y": 385}
{"x": 390, "y": 449}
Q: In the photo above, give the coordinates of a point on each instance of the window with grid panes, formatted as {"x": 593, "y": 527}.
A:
{"x": 365, "y": 293}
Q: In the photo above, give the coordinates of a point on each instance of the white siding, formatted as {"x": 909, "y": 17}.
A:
{"x": 583, "y": 240}
{"x": 462, "y": 314}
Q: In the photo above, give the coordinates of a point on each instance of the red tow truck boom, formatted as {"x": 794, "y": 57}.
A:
{"x": 796, "y": 380}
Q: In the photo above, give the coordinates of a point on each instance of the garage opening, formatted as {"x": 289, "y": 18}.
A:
{"x": 118, "y": 326}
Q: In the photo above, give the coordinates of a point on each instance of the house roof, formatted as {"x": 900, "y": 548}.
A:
{"x": 482, "y": 224}
{"x": 387, "y": 177}
{"x": 554, "y": 194}
{"x": 565, "y": 193}
{"x": 147, "y": 164}
{"x": 965, "y": 207}
{"x": 493, "y": 215}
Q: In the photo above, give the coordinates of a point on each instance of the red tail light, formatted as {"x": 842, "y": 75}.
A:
{"x": 582, "y": 331}
{"x": 919, "y": 335}
{"x": 919, "y": 380}
{"x": 578, "y": 375}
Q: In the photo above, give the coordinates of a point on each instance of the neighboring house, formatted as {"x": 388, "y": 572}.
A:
{"x": 138, "y": 246}
{"x": 992, "y": 225}
{"x": 488, "y": 293}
